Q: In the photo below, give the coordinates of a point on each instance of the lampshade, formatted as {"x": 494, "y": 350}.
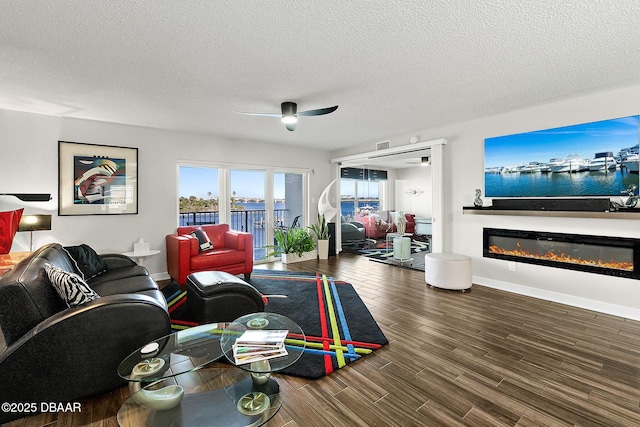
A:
{"x": 9, "y": 222}
{"x": 35, "y": 223}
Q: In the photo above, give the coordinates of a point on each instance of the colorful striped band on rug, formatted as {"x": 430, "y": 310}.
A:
{"x": 329, "y": 304}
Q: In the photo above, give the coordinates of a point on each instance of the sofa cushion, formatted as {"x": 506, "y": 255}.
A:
{"x": 87, "y": 262}
{"x": 124, "y": 285}
{"x": 115, "y": 274}
{"x": 203, "y": 239}
{"x": 70, "y": 286}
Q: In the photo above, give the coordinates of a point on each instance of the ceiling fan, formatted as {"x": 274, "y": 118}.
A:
{"x": 290, "y": 115}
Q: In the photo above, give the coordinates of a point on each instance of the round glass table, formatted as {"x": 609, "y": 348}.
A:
{"x": 181, "y": 379}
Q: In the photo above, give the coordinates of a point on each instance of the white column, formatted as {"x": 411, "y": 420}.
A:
{"x": 437, "y": 191}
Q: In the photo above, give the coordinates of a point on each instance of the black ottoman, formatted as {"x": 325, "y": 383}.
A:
{"x": 216, "y": 296}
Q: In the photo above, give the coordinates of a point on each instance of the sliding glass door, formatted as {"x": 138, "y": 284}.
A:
{"x": 247, "y": 206}
{"x": 256, "y": 200}
{"x": 289, "y": 207}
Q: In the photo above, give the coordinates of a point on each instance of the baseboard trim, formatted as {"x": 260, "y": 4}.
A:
{"x": 588, "y": 304}
{"x": 161, "y": 276}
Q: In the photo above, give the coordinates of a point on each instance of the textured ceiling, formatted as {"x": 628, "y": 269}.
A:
{"x": 392, "y": 66}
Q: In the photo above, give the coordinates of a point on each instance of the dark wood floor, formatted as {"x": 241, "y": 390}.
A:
{"x": 480, "y": 358}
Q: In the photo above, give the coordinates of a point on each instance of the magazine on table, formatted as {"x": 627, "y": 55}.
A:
{"x": 257, "y": 345}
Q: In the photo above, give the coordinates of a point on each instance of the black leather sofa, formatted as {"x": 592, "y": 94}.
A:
{"x": 50, "y": 352}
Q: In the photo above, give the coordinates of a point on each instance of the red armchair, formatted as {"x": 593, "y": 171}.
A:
{"x": 232, "y": 252}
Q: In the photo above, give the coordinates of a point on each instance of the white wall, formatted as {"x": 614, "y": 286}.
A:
{"x": 464, "y": 172}
{"x": 29, "y": 164}
{"x": 417, "y": 202}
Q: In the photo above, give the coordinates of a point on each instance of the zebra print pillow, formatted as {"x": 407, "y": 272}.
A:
{"x": 70, "y": 286}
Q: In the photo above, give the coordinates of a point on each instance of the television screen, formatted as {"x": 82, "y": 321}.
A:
{"x": 590, "y": 159}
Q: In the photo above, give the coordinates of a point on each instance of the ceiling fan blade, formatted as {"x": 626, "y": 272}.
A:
{"x": 289, "y": 113}
{"x": 290, "y": 126}
{"x": 278, "y": 115}
{"x": 318, "y": 112}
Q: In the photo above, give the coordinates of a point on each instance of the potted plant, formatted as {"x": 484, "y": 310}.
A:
{"x": 321, "y": 231}
{"x": 293, "y": 245}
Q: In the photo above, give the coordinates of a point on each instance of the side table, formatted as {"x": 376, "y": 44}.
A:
{"x": 140, "y": 256}
{"x": 398, "y": 247}
{"x": 402, "y": 248}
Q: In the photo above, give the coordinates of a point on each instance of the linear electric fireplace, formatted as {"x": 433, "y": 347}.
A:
{"x": 615, "y": 256}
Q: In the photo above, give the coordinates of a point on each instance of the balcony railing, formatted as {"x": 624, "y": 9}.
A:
{"x": 252, "y": 220}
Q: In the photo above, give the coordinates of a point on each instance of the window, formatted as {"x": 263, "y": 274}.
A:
{"x": 361, "y": 189}
{"x": 248, "y": 199}
{"x": 198, "y": 196}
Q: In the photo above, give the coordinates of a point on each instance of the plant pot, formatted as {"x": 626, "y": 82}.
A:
{"x": 323, "y": 249}
{"x": 306, "y": 256}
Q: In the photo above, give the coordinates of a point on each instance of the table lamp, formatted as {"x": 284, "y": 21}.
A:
{"x": 33, "y": 223}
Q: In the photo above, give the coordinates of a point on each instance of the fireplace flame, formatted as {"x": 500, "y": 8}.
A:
{"x": 561, "y": 257}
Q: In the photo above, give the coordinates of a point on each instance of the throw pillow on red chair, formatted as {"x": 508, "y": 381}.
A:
{"x": 203, "y": 239}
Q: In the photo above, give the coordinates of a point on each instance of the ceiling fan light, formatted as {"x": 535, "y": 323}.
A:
{"x": 289, "y": 119}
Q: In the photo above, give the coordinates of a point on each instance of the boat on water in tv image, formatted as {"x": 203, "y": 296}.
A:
{"x": 532, "y": 167}
{"x": 603, "y": 162}
{"x": 631, "y": 163}
{"x": 511, "y": 169}
{"x": 572, "y": 164}
{"x": 629, "y": 158}
{"x": 554, "y": 163}
{"x": 590, "y": 159}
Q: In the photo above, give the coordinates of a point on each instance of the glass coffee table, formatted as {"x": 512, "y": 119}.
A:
{"x": 183, "y": 380}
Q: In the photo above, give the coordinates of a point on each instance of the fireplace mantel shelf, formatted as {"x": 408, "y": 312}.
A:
{"x": 488, "y": 210}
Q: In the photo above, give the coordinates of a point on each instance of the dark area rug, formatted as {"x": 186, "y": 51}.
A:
{"x": 338, "y": 326}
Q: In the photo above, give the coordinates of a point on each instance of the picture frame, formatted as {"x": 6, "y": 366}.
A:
{"x": 97, "y": 179}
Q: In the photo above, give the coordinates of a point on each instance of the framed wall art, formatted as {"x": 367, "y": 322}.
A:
{"x": 588, "y": 159}
{"x": 97, "y": 179}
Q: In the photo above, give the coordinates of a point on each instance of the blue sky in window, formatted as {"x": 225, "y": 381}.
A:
{"x": 543, "y": 145}
{"x": 197, "y": 181}
{"x": 366, "y": 189}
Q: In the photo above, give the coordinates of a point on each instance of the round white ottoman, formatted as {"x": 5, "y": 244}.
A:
{"x": 447, "y": 271}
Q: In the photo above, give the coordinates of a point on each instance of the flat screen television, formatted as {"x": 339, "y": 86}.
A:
{"x": 590, "y": 159}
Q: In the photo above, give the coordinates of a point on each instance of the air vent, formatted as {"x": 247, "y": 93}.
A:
{"x": 382, "y": 145}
